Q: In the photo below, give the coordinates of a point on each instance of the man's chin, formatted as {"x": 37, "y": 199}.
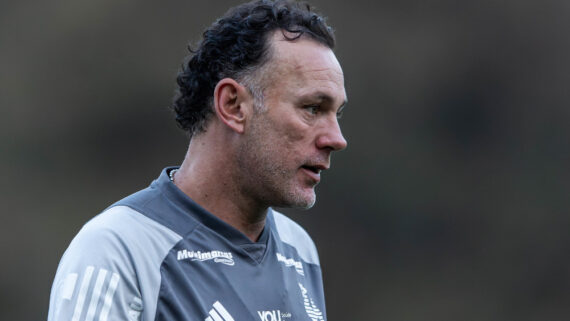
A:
{"x": 298, "y": 197}
{"x": 303, "y": 200}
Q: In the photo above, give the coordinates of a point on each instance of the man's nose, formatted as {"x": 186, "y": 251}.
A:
{"x": 332, "y": 137}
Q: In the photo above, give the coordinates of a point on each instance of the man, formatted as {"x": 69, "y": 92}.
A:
{"x": 260, "y": 98}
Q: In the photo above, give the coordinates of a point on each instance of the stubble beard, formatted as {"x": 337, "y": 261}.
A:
{"x": 264, "y": 175}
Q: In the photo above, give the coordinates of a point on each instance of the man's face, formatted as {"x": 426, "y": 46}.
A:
{"x": 289, "y": 143}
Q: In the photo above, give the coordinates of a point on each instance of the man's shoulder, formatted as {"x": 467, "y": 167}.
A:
{"x": 291, "y": 233}
{"x": 125, "y": 223}
{"x": 115, "y": 259}
{"x": 117, "y": 231}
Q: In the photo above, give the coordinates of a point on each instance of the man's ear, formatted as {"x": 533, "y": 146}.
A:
{"x": 230, "y": 104}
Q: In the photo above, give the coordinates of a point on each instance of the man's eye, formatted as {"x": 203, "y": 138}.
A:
{"x": 313, "y": 110}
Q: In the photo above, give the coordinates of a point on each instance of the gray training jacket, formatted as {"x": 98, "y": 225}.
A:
{"x": 157, "y": 255}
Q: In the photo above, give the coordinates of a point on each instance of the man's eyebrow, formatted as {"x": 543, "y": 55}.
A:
{"x": 324, "y": 97}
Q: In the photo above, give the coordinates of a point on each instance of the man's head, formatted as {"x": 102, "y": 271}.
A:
{"x": 237, "y": 46}
{"x": 276, "y": 90}
{"x": 286, "y": 145}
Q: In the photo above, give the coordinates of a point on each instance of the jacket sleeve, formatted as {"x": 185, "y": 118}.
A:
{"x": 95, "y": 279}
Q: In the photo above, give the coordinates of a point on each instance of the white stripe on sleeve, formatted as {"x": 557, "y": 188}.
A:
{"x": 109, "y": 297}
{"x": 96, "y": 294}
{"x": 68, "y": 286}
{"x": 82, "y": 293}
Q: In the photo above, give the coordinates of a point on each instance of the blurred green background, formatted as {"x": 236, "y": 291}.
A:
{"x": 450, "y": 203}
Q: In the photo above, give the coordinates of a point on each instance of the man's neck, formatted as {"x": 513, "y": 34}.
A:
{"x": 206, "y": 181}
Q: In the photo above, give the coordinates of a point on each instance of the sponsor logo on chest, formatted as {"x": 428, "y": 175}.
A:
{"x": 217, "y": 256}
{"x": 273, "y": 315}
{"x": 291, "y": 263}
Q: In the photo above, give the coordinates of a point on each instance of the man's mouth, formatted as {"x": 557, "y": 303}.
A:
{"x": 314, "y": 169}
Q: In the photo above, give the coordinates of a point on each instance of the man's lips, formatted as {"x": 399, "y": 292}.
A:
{"x": 317, "y": 168}
{"x": 314, "y": 170}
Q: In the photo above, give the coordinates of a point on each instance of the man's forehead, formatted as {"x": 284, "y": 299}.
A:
{"x": 302, "y": 52}
{"x": 303, "y": 59}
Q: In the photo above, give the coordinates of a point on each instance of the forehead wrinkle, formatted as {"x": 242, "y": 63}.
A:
{"x": 321, "y": 73}
{"x": 325, "y": 74}
{"x": 310, "y": 69}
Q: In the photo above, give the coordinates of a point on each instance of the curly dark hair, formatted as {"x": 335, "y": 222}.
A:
{"x": 235, "y": 46}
